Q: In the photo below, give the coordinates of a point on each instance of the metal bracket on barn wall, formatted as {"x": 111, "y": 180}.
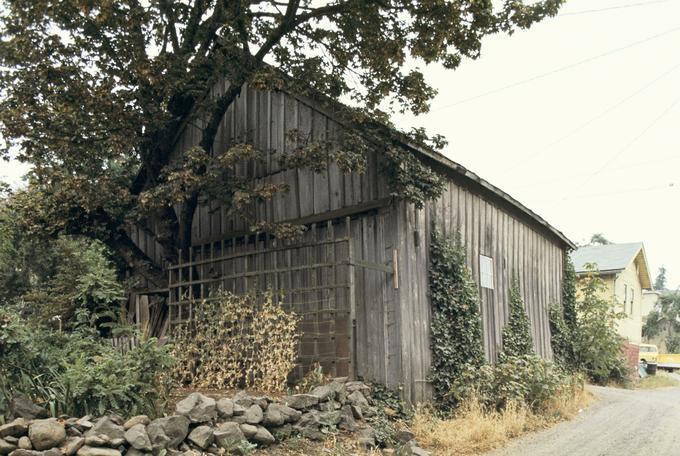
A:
{"x": 391, "y": 267}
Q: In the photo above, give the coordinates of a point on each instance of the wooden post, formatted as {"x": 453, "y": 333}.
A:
{"x": 352, "y": 299}
{"x": 395, "y": 269}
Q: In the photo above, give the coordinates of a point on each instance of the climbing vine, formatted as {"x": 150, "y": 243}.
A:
{"x": 569, "y": 294}
{"x": 456, "y": 339}
{"x": 563, "y": 320}
{"x": 517, "y": 340}
{"x": 410, "y": 179}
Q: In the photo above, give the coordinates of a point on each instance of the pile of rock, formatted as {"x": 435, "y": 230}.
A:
{"x": 204, "y": 425}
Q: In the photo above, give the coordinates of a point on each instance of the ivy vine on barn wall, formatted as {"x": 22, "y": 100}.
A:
{"x": 456, "y": 330}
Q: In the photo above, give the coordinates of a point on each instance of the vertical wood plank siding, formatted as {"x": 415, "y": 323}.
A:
{"x": 392, "y": 326}
{"x": 518, "y": 249}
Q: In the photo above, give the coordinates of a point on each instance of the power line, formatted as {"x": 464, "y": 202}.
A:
{"x": 615, "y": 7}
{"x": 627, "y": 145}
{"x": 669, "y": 186}
{"x": 558, "y": 70}
{"x": 595, "y": 118}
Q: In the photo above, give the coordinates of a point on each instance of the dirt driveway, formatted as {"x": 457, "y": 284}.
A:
{"x": 621, "y": 423}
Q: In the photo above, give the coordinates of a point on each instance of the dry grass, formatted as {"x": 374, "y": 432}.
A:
{"x": 660, "y": 380}
{"x": 335, "y": 445}
{"x": 475, "y": 430}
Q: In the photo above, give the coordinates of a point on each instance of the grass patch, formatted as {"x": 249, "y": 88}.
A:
{"x": 475, "y": 430}
{"x": 660, "y": 380}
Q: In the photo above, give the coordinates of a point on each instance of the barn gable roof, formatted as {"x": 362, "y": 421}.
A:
{"x": 336, "y": 111}
{"x": 342, "y": 114}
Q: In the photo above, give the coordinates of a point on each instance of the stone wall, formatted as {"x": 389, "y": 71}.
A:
{"x": 204, "y": 425}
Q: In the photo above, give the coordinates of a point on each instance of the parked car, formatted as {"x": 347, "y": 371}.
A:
{"x": 649, "y": 357}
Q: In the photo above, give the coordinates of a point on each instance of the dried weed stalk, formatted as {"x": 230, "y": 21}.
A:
{"x": 236, "y": 342}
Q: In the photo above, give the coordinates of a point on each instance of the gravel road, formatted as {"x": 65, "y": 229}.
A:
{"x": 621, "y": 423}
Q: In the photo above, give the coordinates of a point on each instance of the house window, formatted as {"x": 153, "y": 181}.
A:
{"x": 486, "y": 271}
{"x": 632, "y": 299}
{"x": 625, "y": 297}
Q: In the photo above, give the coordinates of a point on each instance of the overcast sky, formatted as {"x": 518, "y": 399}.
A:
{"x": 578, "y": 118}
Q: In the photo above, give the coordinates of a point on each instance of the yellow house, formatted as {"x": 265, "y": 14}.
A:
{"x": 624, "y": 269}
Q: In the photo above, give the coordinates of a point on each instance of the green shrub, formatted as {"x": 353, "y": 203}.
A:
{"x": 673, "y": 344}
{"x": 456, "y": 329}
{"x": 78, "y": 373}
{"x": 527, "y": 379}
{"x": 516, "y": 336}
{"x": 597, "y": 345}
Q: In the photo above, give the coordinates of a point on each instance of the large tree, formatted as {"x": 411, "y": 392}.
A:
{"x": 94, "y": 92}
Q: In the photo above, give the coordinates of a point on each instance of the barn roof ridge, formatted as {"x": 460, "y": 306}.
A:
{"x": 335, "y": 111}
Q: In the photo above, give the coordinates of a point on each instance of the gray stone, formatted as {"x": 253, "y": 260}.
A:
{"x": 357, "y": 386}
{"x": 239, "y": 409}
{"x": 262, "y": 401}
{"x": 46, "y": 434}
{"x": 139, "y": 419}
{"x": 330, "y": 419}
{"x": 23, "y": 407}
{"x": 16, "y": 428}
{"x": 12, "y": 440}
{"x": 71, "y": 445}
{"x": 115, "y": 443}
{"x": 248, "y": 430}
{"x": 135, "y": 452}
{"x": 84, "y": 423}
{"x": 347, "y": 421}
{"x": 274, "y": 416}
{"x": 6, "y": 447}
{"x": 228, "y": 434}
{"x": 97, "y": 441}
{"x": 20, "y": 452}
{"x": 356, "y": 411}
{"x": 73, "y": 432}
{"x": 366, "y": 438}
{"x": 197, "y": 407}
{"x": 138, "y": 438}
{"x": 202, "y": 436}
{"x": 225, "y": 408}
{"x": 404, "y": 436}
{"x": 93, "y": 451}
{"x": 263, "y": 436}
{"x": 411, "y": 449}
{"x": 323, "y": 392}
{"x": 357, "y": 399}
{"x": 168, "y": 432}
{"x": 254, "y": 414}
{"x": 106, "y": 427}
{"x": 301, "y": 401}
{"x": 25, "y": 443}
{"x": 243, "y": 399}
{"x": 241, "y": 419}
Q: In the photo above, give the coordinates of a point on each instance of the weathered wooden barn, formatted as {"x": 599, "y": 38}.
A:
{"x": 359, "y": 275}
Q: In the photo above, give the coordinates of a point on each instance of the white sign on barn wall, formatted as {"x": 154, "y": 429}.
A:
{"x": 486, "y": 271}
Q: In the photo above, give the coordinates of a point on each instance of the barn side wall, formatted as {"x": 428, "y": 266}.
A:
{"x": 518, "y": 248}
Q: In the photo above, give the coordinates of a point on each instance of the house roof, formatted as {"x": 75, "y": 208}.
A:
{"x": 613, "y": 258}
